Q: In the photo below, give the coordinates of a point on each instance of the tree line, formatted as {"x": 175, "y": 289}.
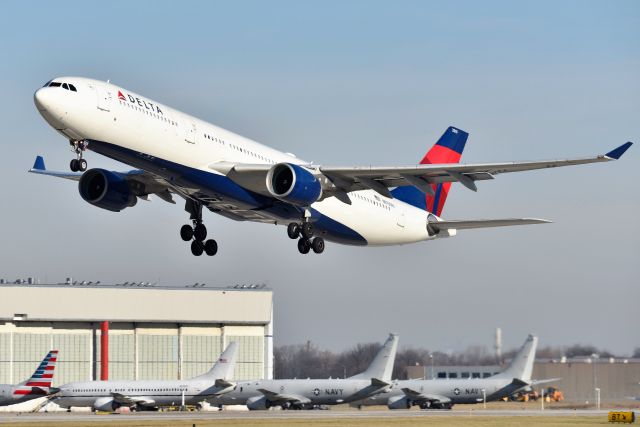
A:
{"x": 309, "y": 361}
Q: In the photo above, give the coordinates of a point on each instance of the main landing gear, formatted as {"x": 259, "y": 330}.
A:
{"x": 198, "y": 232}
{"x": 78, "y": 164}
{"x": 306, "y": 242}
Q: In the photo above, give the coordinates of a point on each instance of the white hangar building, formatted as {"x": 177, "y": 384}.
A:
{"x": 154, "y": 332}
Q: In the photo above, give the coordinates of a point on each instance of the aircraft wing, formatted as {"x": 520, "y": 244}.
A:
{"x": 424, "y": 397}
{"x": 283, "y": 398}
{"x": 337, "y": 181}
{"x": 130, "y": 401}
{"x": 142, "y": 182}
{"x": 372, "y": 177}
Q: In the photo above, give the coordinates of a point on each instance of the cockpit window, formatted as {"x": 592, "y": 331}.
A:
{"x": 67, "y": 86}
{"x": 47, "y": 83}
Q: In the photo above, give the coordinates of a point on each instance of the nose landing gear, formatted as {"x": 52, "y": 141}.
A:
{"x": 78, "y": 164}
{"x": 306, "y": 242}
{"x": 198, "y": 232}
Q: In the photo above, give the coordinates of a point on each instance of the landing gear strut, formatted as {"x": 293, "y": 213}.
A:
{"x": 198, "y": 232}
{"x": 306, "y": 242}
{"x": 78, "y": 164}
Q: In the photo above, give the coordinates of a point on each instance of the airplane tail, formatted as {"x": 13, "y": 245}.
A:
{"x": 41, "y": 379}
{"x": 382, "y": 365}
{"x": 224, "y": 367}
{"x": 448, "y": 149}
{"x": 521, "y": 366}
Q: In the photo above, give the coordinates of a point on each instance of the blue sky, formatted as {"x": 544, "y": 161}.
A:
{"x": 357, "y": 82}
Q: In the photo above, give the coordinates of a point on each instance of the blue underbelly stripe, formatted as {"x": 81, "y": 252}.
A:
{"x": 222, "y": 187}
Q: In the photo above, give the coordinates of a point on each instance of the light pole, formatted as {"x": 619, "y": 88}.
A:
{"x": 431, "y": 360}
{"x": 594, "y": 359}
{"x": 598, "y": 398}
{"x": 484, "y": 398}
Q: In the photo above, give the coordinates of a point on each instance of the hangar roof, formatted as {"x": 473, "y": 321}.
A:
{"x": 136, "y": 303}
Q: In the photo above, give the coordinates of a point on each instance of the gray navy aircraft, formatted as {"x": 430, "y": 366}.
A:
{"x": 149, "y": 394}
{"x": 444, "y": 393}
{"x": 39, "y": 385}
{"x": 308, "y": 393}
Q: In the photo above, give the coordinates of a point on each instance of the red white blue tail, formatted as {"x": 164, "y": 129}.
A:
{"x": 448, "y": 149}
{"x": 40, "y": 381}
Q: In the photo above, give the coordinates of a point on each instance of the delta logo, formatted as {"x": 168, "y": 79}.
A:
{"x": 140, "y": 102}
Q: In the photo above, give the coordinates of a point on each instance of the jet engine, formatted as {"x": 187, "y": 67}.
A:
{"x": 257, "y": 403}
{"x": 293, "y": 184}
{"x": 106, "y": 404}
{"x": 399, "y": 402}
{"x": 106, "y": 190}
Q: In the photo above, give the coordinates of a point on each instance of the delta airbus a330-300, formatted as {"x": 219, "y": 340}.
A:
{"x": 210, "y": 167}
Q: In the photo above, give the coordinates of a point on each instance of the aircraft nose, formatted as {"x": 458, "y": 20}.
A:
{"x": 42, "y": 98}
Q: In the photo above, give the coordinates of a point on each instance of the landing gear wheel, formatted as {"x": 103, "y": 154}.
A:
{"x": 307, "y": 230}
{"x": 200, "y": 232}
{"x": 82, "y": 165}
{"x": 74, "y": 166}
{"x": 318, "y": 245}
{"x": 197, "y": 247}
{"x": 304, "y": 246}
{"x": 211, "y": 247}
{"x": 186, "y": 232}
{"x": 293, "y": 231}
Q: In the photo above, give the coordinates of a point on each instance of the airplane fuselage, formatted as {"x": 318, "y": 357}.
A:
{"x": 316, "y": 391}
{"x": 154, "y": 393}
{"x": 181, "y": 149}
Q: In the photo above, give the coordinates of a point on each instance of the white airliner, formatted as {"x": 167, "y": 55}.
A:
{"x": 243, "y": 180}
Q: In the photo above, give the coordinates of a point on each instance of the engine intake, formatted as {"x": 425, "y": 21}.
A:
{"x": 399, "y": 402}
{"x": 294, "y": 184}
{"x": 106, "y": 404}
{"x": 257, "y": 403}
{"x": 106, "y": 190}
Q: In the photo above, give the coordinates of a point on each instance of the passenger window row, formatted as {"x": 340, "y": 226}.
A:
{"x": 240, "y": 149}
{"x": 367, "y": 199}
{"x": 147, "y": 112}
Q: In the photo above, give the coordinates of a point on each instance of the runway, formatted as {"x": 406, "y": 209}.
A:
{"x": 63, "y": 417}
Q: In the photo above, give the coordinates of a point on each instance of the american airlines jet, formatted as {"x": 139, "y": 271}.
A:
{"x": 39, "y": 385}
{"x": 213, "y": 168}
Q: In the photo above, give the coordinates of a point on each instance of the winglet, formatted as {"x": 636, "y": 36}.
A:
{"x": 618, "y": 152}
{"x": 39, "y": 164}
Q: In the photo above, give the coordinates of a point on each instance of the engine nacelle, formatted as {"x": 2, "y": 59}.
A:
{"x": 106, "y": 190}
{"x": 293, "y": 184}
{"x": 399, "y": 402}
{"x": 257, "y": 403}
{"x": 106, "y": 404}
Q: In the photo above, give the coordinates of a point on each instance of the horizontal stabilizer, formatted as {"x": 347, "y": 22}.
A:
{"x": 484, "y": 223}
{"x": 378, "y": 383}
{"x": 545, "y": 381}
{"x": 518, "y": 382}
{"x": 220, "y": 383}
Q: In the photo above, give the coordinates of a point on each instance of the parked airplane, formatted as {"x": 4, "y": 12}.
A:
{"x": 444, "y": 393}
{"x": 39, "y": 385}
{"x": 111, "y": 395}
{"x": 300, "y": 393}
{"x": 243, "y": 180}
